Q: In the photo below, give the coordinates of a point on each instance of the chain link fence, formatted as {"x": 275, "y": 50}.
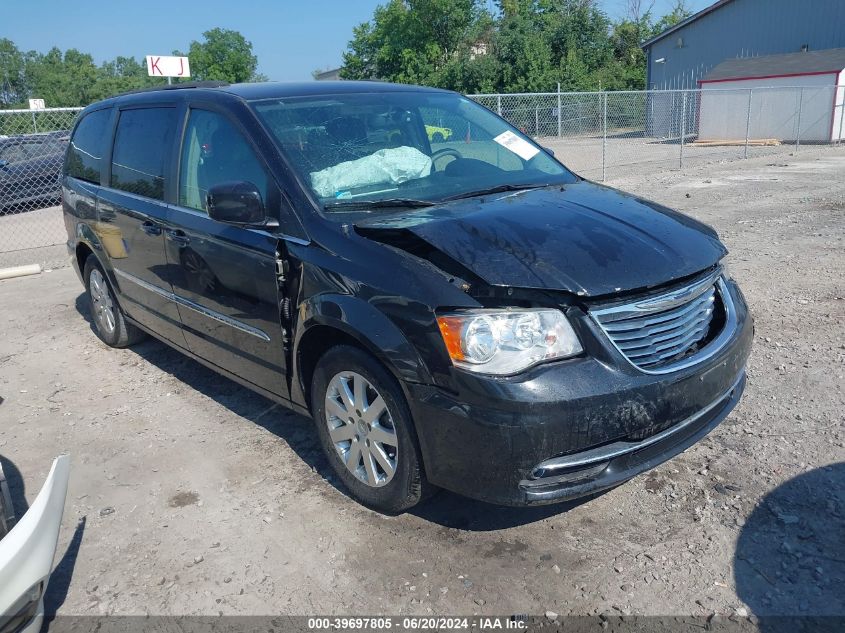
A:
{"x": 600, "y": 135}
{"x": 604, "y": 135}
{"x": 32, "y": 150}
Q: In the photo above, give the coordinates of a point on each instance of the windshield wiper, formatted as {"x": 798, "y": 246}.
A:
{"x": 498, "y": 189}
{"x": 385, "y": 203}
{"x": 414, "y": 203}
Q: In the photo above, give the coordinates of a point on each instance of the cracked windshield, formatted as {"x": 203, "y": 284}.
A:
{"x": 403, "y": 149}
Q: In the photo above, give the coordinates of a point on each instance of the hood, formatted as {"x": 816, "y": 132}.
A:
{"x": 584, "y": 238}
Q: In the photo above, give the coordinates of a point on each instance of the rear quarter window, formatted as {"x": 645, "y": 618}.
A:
{"x": 142, "y": 145}
{"x": 85, "y": 152}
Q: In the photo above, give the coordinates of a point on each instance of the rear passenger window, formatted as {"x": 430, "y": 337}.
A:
{"x": 141, "y": 148}
{"x": 86, "y": 147}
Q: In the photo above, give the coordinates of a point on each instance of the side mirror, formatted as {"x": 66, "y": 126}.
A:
{"x": 236, "y": 203}
{"x": 548, "y": 150}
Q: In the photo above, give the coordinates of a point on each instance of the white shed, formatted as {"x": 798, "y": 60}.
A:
{"x": 771, "y": 96}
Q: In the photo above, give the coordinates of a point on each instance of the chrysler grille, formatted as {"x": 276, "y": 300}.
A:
{"x": 657, "y": 332}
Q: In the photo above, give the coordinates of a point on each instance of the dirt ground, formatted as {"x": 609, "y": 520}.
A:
{"x": 190, "y": 495}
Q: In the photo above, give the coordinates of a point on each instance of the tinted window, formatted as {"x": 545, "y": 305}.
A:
{"x": 214, "y": 151}
{"x": 87, "y": 145}
{"x": 141, "y": 147}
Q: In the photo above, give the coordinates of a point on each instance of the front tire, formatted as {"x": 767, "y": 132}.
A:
{"x": 366, "y": 430}
{"x": 109, "y": 322}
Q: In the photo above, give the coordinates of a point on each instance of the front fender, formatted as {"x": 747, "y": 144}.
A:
{"x": 365, "y": 323}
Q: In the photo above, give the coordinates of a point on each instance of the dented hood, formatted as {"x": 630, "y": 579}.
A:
{"x": 585, "y": 238}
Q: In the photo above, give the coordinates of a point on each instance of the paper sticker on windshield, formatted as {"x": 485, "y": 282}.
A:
{"x": 519, "y": 146}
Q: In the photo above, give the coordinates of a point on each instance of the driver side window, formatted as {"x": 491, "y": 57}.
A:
{"x": 213, "y": 152}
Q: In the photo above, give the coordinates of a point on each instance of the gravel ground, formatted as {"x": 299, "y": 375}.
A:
{"x": 189, "y": 495}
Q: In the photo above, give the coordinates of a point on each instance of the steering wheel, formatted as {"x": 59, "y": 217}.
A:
{"x": 446, "y": 151}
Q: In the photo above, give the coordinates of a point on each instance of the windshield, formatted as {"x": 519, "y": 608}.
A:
{"x": 361, "y": 152}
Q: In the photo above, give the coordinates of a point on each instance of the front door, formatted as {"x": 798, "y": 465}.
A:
{"x": 224, "y": 276}
{"x": 132, "y": 213}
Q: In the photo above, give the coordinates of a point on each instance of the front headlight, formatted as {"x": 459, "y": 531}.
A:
{"x": 505, "y": 342}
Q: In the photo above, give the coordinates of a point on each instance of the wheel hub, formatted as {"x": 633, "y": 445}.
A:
{"x": 361, "y": 428}
{"x": 103, "y": 306}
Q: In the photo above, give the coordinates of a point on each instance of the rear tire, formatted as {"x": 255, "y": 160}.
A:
{"x": 366, "y": 431}
{"x": 109, "y": 322}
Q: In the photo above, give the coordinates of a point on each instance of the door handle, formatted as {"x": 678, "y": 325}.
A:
{"x": 151, "y": 228}
{"x": 178, "y": 236}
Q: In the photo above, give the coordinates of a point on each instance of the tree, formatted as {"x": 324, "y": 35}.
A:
{"x": 122, "y": 75}
{"x": 528, "y": 45}
{"x": 636, "y": 12}
{"x": 223, "y": 55}
{"x": 62, "y": 79}
{"x": 416, "y": 41}
{"x": 680, "y": 12}
{"x": 71, "y": 78}
{"x": 13, "y": 86}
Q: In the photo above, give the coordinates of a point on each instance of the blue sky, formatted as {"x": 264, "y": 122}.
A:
{"x": 290, "y": 37}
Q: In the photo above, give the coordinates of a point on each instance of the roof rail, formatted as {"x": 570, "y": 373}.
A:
{"x": 177, "y": 86}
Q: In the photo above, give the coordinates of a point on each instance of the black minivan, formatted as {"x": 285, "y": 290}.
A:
{"x": 452, "y": 306}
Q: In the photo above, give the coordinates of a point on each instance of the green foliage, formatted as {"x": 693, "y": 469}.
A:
{"x": 419, "y": 41}
{"x": 525, "y": 46}
{"x": 223, "y": 55}
{"x": 679, "y": 13}
{"x": 71, "y": 78}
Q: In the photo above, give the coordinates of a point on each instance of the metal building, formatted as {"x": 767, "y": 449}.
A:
{"x": 792, "y": 97}
{"x": 681, "y": 56}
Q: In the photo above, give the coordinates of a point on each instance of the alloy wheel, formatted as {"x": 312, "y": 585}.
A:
{"x": 102, "y": 303}
{"x": 361, "y": 428}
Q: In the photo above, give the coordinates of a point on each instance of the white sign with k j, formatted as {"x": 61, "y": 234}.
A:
{"x": 163, "y": 66}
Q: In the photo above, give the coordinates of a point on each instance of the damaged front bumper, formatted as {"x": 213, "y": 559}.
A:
{"x": 574, "y": 427}
{"x": 573, "y": 476}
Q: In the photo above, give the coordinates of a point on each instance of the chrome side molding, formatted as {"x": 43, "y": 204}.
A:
{"x": 196, "y": 307}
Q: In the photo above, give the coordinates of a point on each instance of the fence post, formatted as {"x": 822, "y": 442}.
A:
{"x": 558, "y": 111}
{"x": 748, "y": 120}
{"x": 800, "y": 109}
{"x": 34, "y": 124}
{"x": 499, "y": 105}
{"x": 580, "y": 117}
{"x": 683, "y": 125}
{"x": 604, "y": 142}
{"x": 841, "y": 117}
{"x": 537, "y": 119}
